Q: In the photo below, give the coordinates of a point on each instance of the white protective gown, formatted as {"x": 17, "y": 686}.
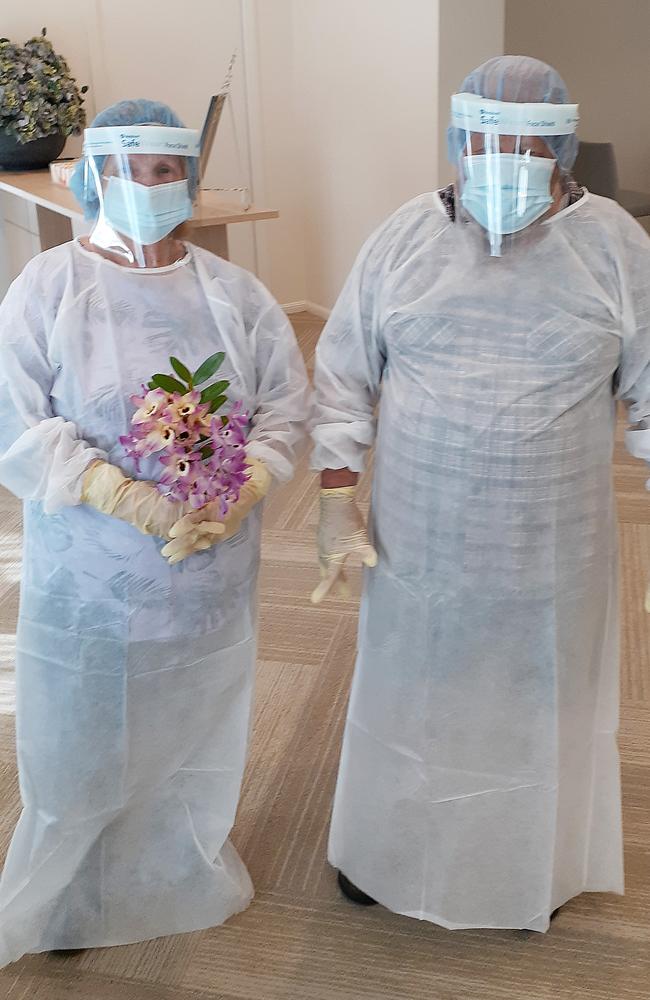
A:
{"x": 479, "y": 779}
{"x": 134, "y": 678}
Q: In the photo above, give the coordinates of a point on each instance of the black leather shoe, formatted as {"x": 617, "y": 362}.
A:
{"x": 350, "y": 890}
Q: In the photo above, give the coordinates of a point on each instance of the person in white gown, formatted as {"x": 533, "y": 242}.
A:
{"x": 134, "y": 673}
{"x": 480, "y": 343}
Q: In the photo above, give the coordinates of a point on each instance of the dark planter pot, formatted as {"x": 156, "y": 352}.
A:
{"x": 33, "y": 155}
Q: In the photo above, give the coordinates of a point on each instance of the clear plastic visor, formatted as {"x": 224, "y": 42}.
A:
{"x": 139, "y": 180}
{"x": 507, "y": 181}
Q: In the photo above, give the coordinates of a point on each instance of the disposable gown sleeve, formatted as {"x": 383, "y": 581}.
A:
{"x": 283, "y": 395}
{"x": 350, "y": 359}
{"x": 42, "y": 456}
{"x": 634, "y": 370}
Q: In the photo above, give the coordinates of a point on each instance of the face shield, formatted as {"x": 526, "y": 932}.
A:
{"x": 508, "y": 175}
{"x": 138, "y": 175}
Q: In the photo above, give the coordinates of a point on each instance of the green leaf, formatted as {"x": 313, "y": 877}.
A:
{"x": 217, "y": 403}
{"x": 213, "y": 391}
{"x": 169, "y": 384}
{"x": 151, "y": 385}
{"x": 182, "y": 371}
{"x": 224, "y": 421}
{"x": 208, "y": 368}
{"x": 217, "y": 388}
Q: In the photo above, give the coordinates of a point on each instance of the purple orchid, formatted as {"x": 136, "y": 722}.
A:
{"x": 203, "y": 453}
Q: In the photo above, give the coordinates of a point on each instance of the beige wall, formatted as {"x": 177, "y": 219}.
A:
{"x": 141, "y": 48}
{"x": 179, "y": 54}
{"x": 341, "y": 108}
{"x": 277, "y": 149}
{"x": 602, "y": 49}
{"x": 366, "y": 77}
{"x": 471, "y": 32}
{"x": 374, "y": 79}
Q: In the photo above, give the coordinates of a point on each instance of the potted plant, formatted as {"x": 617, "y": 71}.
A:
{"x": 40, "y": 104}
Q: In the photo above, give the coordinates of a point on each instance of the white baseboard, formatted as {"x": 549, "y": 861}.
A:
{"x": 306, "y": 306}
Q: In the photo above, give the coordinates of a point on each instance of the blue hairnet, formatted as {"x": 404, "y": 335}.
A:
{"x": 520, "y": 80}
{"x": 140, "y": 112}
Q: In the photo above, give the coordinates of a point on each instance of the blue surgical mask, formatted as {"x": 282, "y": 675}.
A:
{"x": 505, "y": 192}
{"x": 146, "y": 214}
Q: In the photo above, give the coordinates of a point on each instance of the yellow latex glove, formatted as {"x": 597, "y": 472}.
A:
{"x": 341, "y": 533}
{"x": 139, "y": 503}
{"x": 202, "y": 528}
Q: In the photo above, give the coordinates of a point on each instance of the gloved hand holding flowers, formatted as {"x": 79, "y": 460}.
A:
{"x": 208, "y": 486}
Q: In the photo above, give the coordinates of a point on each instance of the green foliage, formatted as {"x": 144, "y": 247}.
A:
{"x": 38, "y": 94}
{"x": 209, "y": 368}
{"x": 214, "y": 394}
{"x": 182, "y": 371}
{"x": 168, "y": 383}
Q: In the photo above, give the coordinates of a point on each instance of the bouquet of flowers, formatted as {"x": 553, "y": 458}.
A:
{"x": 38, "y": 95}
{"x": 201, "y": 449}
